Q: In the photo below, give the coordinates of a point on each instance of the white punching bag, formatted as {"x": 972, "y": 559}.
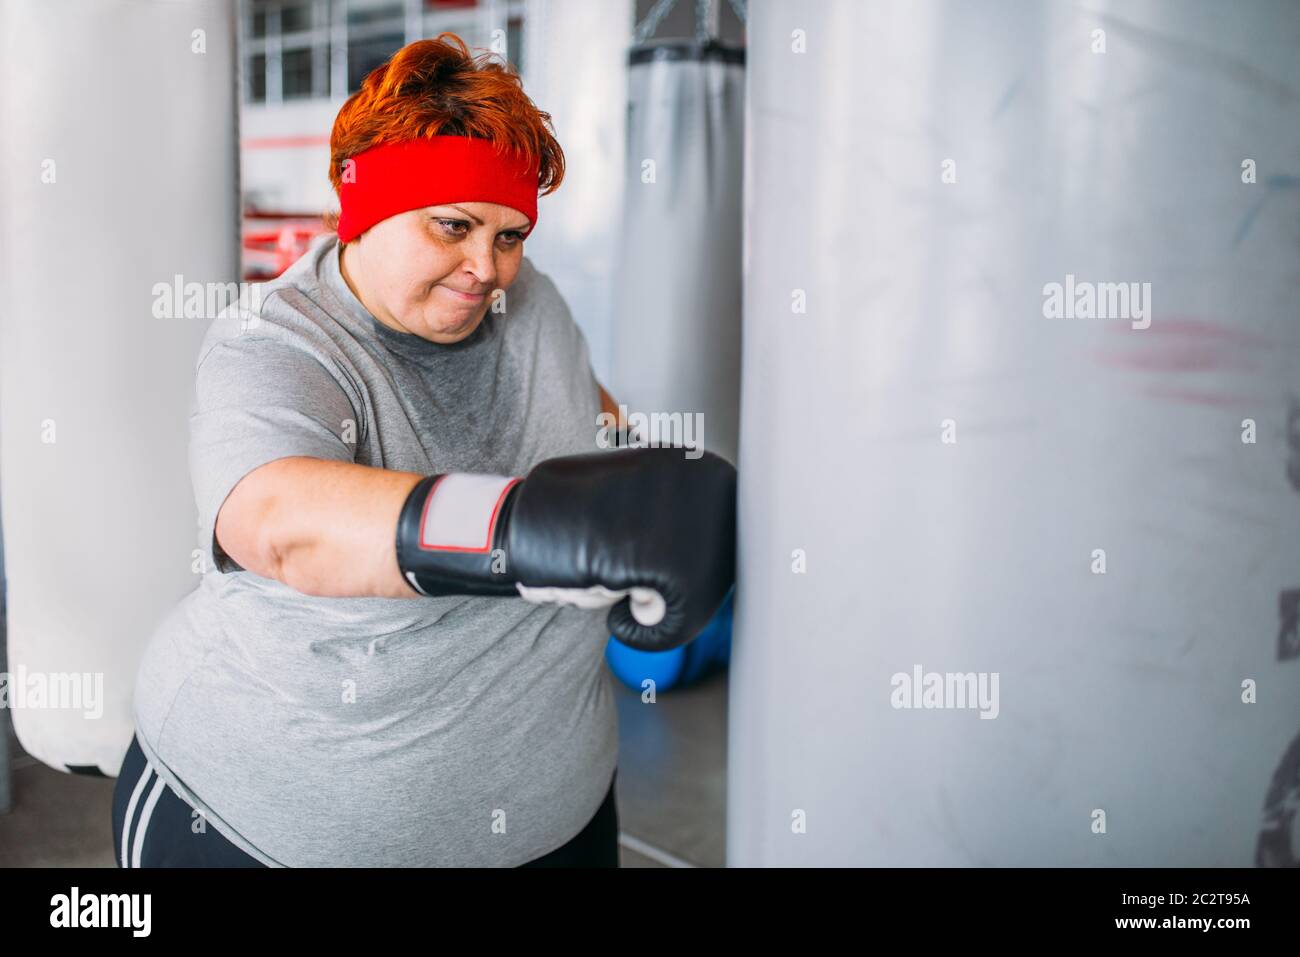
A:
{"x": 121, "y": 174}
{"x": 677, "y": 301}
{"x": 1020, "y": 483}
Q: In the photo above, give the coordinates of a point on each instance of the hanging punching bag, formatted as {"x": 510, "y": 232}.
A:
{"x": 676, "y": 340}
{"x": 1020, "y": 496}
{"x": 121, "y": 185}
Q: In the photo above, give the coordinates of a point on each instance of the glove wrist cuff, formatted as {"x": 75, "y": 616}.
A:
{"x": 451, "y": 534}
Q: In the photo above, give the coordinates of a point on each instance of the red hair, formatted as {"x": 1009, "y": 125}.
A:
{"x": 436, "y": 87}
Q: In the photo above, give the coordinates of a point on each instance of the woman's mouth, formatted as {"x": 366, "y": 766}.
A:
{"x": 465, "y": 296}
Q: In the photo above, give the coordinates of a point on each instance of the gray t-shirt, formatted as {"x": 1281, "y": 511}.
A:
{"x": 315, "y": 731}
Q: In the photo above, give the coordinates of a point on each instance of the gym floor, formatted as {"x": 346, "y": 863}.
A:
{"x": 671, "y": 791}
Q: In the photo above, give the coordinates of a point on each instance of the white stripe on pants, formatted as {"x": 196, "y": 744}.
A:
{"x": 133, "y": 859}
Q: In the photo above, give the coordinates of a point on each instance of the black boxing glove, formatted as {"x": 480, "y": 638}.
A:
{"x": 646, "y": 530}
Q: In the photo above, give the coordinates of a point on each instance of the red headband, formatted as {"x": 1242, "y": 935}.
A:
{"x": 396, "y": 177}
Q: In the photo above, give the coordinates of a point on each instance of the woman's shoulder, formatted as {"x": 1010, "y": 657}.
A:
{"x": 535, "y": 297}
{"x": 539, "y": 316}
{"x": 289, "y": 310}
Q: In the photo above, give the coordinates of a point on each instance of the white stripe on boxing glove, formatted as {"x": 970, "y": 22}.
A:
{"x": 648, "y": 606}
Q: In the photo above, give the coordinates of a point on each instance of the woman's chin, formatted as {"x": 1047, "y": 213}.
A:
{"x": 446, "y": 333}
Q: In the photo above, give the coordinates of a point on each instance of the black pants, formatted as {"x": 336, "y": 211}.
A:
{"x": 152, "y": 827}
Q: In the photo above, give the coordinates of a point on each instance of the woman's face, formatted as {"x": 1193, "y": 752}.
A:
{"x": 431, "y": 271}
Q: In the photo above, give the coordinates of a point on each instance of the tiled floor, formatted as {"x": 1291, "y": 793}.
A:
{"x": 671, "y": 791}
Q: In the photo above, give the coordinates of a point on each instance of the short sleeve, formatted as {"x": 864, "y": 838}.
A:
{"x": 568, "y": 356}
{"x": 257, "y": 400}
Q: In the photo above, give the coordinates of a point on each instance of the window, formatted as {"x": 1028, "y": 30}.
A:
{"x": 365, "y": 55}
{"x": 296, "y": 73}
{"x": 295, "y": 18}
{"x": 313, "y": 40}
{"x": 363, "y": 13}
{"x": 514, "y": 43}
{"x": 257, "y": 78}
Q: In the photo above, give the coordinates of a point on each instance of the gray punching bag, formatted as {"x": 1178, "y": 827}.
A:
{"x": 677, "y": 300}
{"x": 1021, "y": 367}
{"x": 120, "y": 185}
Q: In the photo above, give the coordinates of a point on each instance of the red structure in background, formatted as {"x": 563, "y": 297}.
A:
{"x": 273, "y": 241}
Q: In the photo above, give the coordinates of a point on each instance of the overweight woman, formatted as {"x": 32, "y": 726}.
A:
{"x": 415, "y": 546}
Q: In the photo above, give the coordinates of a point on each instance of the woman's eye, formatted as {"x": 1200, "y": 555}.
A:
{"x": 454, "y": 227}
